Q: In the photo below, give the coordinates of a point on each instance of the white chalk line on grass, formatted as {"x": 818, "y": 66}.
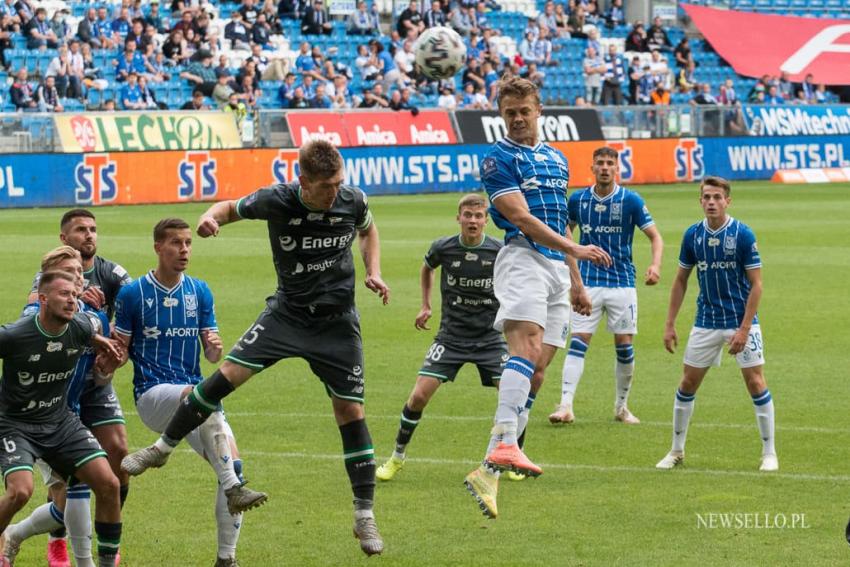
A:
{"x": 434, "y": 417}
{"x": 470, "y": 463}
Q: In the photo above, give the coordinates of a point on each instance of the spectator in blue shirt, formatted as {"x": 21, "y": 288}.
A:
{"x": 103, "y": 30}
{"x": 286, "y": 90}
{"x": 121, "y": 25}
{"x": 320, "y": 99}
{"x": 131, "y": 94}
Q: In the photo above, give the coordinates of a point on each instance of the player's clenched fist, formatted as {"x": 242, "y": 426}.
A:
{"x": 207, "y": 226}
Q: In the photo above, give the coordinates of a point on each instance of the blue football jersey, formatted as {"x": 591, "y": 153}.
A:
{"x": 541, "y": 174}
{"x": 165, "y": 326}
{"x": 85, "y": 364}
{"x": 721, "y": 258}
{"x": 609, "y": 223}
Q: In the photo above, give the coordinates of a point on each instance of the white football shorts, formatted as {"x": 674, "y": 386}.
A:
{"x": 157, "y": 405}
{"x": 47, "y": 475}
{"x": 706, "y": 346}
{"x": 620, "y": 303}
{"x": 532, "y": 287}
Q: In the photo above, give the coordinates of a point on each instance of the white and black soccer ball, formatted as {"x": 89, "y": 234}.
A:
{"x": 440, "y": 53}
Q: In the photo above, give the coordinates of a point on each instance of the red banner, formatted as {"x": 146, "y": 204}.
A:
{"x": 757, "y": 44}
{"x": 380, "y": 128}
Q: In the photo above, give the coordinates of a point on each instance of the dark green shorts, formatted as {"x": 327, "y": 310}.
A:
{"x": 65, "y": 445}
{"x": 331, "y": 344}
{"x": 99, "y": 405}
{"x": 443, "y": 360}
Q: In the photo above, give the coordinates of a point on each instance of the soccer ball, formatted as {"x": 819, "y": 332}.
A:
{"x": 440, "y": 53}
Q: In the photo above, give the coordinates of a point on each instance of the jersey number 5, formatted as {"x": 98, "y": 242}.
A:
{"x": 252, "y": 334}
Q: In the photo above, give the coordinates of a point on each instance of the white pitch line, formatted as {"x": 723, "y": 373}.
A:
{"x": 433, "y": 417}
{"x": 575, "y": 467}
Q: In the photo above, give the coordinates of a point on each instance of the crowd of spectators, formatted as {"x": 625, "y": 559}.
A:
{"x": 194, "y": 42}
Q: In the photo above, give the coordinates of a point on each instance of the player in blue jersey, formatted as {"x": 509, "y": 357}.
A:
{"x": 164, "y": 319}
{"x": 725, "y": 254}
{"x": 536, "y": 276}
{"x": 608, "y": 215}
{"x": 59, "y": 512}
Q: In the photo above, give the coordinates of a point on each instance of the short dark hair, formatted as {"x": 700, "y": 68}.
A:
{"x": 518, "y": 87}
{"x": 716, "y": 181}
{"x": 73, "y": 214}
{"x": 48, "y": 278}
{"x": 160, "y": 231}
{"x": 319, "y": 159}
{"x": 605, "y": 151}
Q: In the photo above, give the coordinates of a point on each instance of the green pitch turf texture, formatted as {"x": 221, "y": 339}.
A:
{"x": 600, "y": 501}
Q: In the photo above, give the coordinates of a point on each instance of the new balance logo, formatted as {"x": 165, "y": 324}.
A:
{"x": 294, "y": 222}
{"x": 34, "y": 358}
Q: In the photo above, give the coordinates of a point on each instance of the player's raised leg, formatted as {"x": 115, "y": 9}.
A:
{"x": 525, "y": 341}
{"x": 204, "y": 399}
{"x": 411, "y": 413}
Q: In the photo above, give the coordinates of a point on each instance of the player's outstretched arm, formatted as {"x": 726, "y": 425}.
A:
{"x": 426, "y": 282}
{"x": 514, "y": 208}
{"x": 677, "y": 296}
{"x": 741, "y": 336}
{"x": 370, "y": 249}
{"x": 220, "y": 214}
{"x": 656, "y": 243}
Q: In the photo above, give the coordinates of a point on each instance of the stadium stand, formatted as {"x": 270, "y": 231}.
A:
{"x": 501, "y": 33}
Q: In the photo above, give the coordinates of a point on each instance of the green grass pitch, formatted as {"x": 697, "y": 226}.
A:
{"x": 600, "y": 501}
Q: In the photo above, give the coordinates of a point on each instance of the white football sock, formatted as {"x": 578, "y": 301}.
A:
{"x": 573, "y": 369}
{"x": 78, "y": 523}
{"x": 43, "y": 519}
{"x": 765, "y": 417}
{"x": 216, "y": 445}
{"x": 624, "y": 371}
{"x": 683, "y": 408}
{"x": 513, "y": 393}
{"x": 228, "y": 526}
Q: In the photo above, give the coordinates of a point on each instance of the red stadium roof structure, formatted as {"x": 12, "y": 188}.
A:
{"x": 756, "y": 44}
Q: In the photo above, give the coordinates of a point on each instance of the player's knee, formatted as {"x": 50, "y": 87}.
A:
{"x": 18, "y": 494}
{"x": 114, "y": 442}
{"x": 105, "y": 485}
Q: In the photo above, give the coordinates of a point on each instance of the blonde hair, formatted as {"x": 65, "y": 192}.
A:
{"x": 57, "y": 256}
{"x": 517, "y": 87}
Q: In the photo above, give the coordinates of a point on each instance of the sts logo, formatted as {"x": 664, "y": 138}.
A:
{"x": 689, "y": 163}
{"x": 285, "y": 166}
{"x": 627, "y": 168}
{"x": 196, "y": 174}
{"x": 95, "y": 178}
